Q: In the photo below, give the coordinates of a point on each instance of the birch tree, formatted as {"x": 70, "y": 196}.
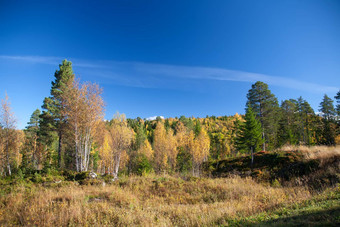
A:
{"x": 84, "y": 111}
{"x": 159, "y": 146}
{"x": 146, "y": 149}
{"x": 171, "y": 148}
{"x": 120, "y": 140}
{"x": 199, "y": 149}
{"x": 10, "y": 138}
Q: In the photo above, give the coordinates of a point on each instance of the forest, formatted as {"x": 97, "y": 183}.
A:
{"x": 277, "y": 157}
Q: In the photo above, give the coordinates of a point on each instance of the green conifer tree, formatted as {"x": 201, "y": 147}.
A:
{"x": 337, "y": 98}
{"x": 304, "y": 111}
{"x": 329, "y": 129}
{"x": 52, "y": 117}
{"x": 251, "y": 135}
{"x": 266, "y": 108}
{"x": 327, "y": 108}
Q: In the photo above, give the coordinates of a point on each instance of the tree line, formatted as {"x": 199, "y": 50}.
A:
{"x": 70, "y": 132}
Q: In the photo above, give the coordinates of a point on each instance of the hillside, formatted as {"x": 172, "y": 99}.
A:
{"x": 316, "y": 167}
{"x": 295, "y": 187}
{"x": 165, "y": 201}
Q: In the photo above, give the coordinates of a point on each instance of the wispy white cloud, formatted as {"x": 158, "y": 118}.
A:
{"x": 141, "y": 74}
{"x": 153, "y": 118}
{"x": 33, "y": 59}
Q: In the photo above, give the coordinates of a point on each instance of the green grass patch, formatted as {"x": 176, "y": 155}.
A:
{"x": 322, "y": 210}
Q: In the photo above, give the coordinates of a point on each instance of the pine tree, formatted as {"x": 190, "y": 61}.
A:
{"x": 237, "y": 132}
{"x": 197, "y": 127}
{"x": 304, "y": 112}
{"x": 266, "y": 108}
{"x": 287, "y": 123}
{"x": 327, "y": 108}
{"x": 53, "y": 119}
{"x": 33, "y": 124}
{"x": 329, "y": 129}
{"x": 140, "y": 136}
{"x": 337, "y": 98}
{"x": 32, "y": 131}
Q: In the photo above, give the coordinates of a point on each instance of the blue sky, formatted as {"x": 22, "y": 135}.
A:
{"x": 170, "y": 58}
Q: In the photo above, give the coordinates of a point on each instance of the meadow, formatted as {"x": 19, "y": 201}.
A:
{"x": 164, "y": 200}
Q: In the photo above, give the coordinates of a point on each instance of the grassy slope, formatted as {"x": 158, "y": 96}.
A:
{"x": 321, "y": 210}
{"x": 309, "y": 196}
{"x": 294, "y": 167}
{"x": 160, "y": 201}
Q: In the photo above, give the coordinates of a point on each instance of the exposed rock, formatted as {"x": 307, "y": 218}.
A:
{"x": 92, "y": 175}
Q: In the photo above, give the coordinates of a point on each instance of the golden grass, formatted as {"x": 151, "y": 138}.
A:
{"x": 144, "y": 201}
{"x": 314, "y": 152}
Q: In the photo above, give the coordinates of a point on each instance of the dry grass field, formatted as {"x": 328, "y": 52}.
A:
{"x": 168, "y": 201}
{"x": 163, "y": 201}
{"x": 314, "y": 152}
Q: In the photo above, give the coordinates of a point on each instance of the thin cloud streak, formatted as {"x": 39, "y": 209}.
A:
{"x": 32, "y": 59}
{"x": 148, "y": 75}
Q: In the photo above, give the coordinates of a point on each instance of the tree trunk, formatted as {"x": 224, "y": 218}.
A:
{"x": 59, "y": 149}
{"x": 307, "y": 131}
{"x": 261, "y": 120}
{"x": 9, "y": 169}
{"x": 34, "y": 161}
{"x": 116, "y": 168}
{"x": 264, "y": 141}
{"x": 7, "y": 156}
{"x": 252, "y": 155}
{"x": 8, "y": 165}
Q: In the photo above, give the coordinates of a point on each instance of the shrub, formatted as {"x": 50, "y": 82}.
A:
{"x": 37, "y": 178}
{"x": 20, "y": 175}
{"x": 107, "y": 178}
{"x": 143, "y": 166}
{"x": 69, "y": 175}
{"x": 276, "y": 184}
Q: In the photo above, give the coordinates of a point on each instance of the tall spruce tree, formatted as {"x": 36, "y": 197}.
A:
{"x": 304, "y": 110}
{"x": 32, "y": 134}
{"x": 33, "y": 124}
{"x": 140, "y": 136}
{"x": 287, "y": 123}
{"x": 337, "y": 98}
{"x": 266, "y": 108}
{"x": 329, "y": 129}
{"x": 251, "y": 135}
{"x": 52, "y": 116}
{"x": 327, "y": 108}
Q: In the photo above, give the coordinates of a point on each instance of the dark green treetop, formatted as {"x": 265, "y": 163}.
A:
{"x": 140, "y": 136}
{"x": 337, "y": 98}
{"x": 287, "y": 122}
{"x": 53, "y": 103}
{"x": 327, "y": 108}
{"x": 265, "y": 106}
{"x": 34, "y": 120}
{"x": 33, "y": 124}
{"x": 52, "y": 117}
{"x": 252, "y": 131}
